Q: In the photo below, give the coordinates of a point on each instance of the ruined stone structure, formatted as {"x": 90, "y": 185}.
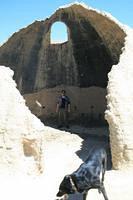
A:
{"x": 81, "y": 66}
{"x": 94, "y": 45}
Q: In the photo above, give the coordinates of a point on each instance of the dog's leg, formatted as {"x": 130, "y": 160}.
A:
{"x": 104, "y": 167}
{"x": 103, "y": 173}
{"x": 102, "y": 189}
{"x": 85, "y": 195}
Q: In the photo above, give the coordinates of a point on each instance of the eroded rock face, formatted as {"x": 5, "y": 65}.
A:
{"x": 21, "y": 141}
{"x": 94, "y": 45}
{"x": 120, "y": 112}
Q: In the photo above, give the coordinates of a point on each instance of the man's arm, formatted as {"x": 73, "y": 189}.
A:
{"x": 57, "y": 107}
{"x": 69, "y": 107}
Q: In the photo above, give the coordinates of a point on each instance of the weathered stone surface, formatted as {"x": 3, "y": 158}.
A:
{"x": 21, "y": 141}
{"x": 94, "y": 45}
{"x": 87, "y": 104}
{"x": 120, "y": 110}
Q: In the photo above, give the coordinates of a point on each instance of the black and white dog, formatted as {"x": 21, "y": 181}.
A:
{"x": 90, "y": 175}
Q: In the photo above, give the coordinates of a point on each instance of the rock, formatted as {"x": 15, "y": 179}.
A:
{"x": 21, "y": 141}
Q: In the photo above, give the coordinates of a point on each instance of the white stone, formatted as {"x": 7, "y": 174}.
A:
{"x": 17, "y": 123}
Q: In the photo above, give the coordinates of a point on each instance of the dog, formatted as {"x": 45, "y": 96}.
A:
{"x": 89, "y": 175}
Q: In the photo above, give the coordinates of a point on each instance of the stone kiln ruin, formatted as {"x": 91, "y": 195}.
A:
{"x": 80, "y": 65}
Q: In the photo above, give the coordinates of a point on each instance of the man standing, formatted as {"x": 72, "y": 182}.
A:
{"x": 63, "y": 108}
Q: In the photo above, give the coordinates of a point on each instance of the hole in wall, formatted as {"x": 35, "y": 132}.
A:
{"x": 59, "y": 33}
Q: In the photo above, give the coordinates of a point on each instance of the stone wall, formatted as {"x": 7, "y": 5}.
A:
{"x": 86, "y": 103}
{"x": 21, "y": 143}
{"x": 120, "y": 107}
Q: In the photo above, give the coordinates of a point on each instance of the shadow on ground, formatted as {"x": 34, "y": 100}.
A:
{"x": 91, "y": 142}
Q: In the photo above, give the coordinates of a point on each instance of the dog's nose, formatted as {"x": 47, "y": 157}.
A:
{"x": 59, "y": 194}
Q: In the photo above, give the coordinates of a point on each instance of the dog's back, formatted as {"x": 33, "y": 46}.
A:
{"x": 88, "y": 175}
{"x": 97, "y": 157}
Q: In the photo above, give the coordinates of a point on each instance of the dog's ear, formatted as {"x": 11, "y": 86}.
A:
{"x": 67, "y": 179}
{"x": 67, "y": 176}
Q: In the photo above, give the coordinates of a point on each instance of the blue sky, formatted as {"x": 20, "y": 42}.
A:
{"x": 16, "y": 14}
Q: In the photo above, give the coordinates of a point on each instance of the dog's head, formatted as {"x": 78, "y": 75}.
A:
{"x": 66, "y": 187}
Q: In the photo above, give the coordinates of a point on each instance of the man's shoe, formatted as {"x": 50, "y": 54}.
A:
{"x": 59, "y": 126}
{"x": 67, "y": 126}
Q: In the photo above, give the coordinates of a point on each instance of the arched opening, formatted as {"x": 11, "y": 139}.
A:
{"x": 59, "y": 33}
